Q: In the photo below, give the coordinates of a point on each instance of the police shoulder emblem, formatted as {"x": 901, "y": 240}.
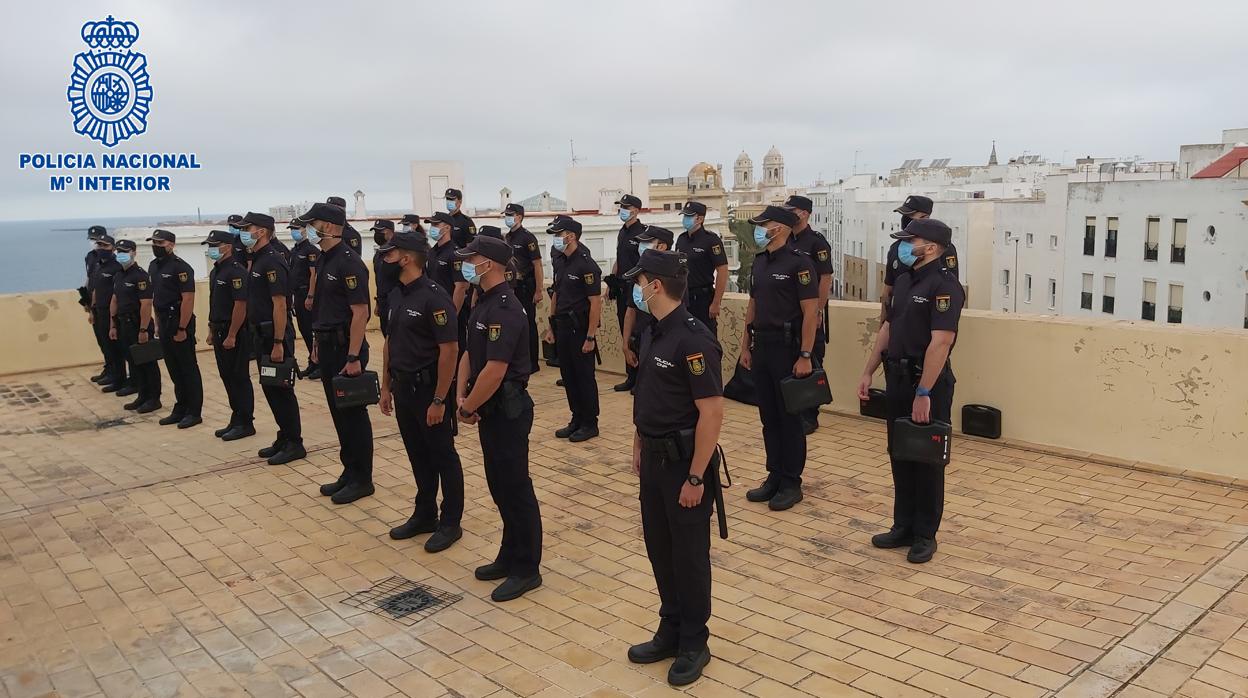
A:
{"x": 458, "y": 265}
{"x": 472, "y": 230}
{"x": 951, "y": 261}
{"x": 532, "y": 247}
{"x": 238, "y": 283}
{"x": 495, "y": 331}
{"x": 942, "y": 303}
{"x": 589, "y": 279}
{"x": 142, "y": 285}
{"x": 715, "y": 249}
{"x": 311, "y": 257}
{"x": 822, "y": 255}
{"x": 109, "y": 91}
{"x": 350, "y": 281}
{"x": 271, "y": 275}
{"x": 509, "y": 275}
{"x": 697, "y": 364}
{"x": 439, "y": 317}
{"x": 803, "y": 277}
{"x": 182, "y": 276}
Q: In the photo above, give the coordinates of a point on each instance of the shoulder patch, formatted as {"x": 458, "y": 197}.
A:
{"x": 458, "y": 265}
{"x": 311, "y": 256}
{"x": 589, "y": 279}
{"x": 182, "y": 276}
{"x": 238, "y": 282}
{"x": 822, "y": 255}
{"x": 803, "y": 277}
{"x": 942, "y": 303}
{"x": 439, "y": 317}
{"x": 472, "y": 229}
{"x": 951, "y": 261}
{"x": 351, "y": 281}
{"x": 716, "y": 249}
{"x": 495, "y": 331}
{"x": 142, "y": 285}
{"x": 697, "y": 364}
{"x": 532, "y": 247}
{"x": 271, "y": 275}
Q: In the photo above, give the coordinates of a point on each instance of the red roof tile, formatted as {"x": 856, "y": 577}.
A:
{"x": 1224, "y": 165}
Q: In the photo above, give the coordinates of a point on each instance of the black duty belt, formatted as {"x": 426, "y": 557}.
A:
{"x": 677, "y": 448}
{"x": 781, "y": 334}
{"x": 702, "y": 289}
{"x": 330, "y": 335}
{"x": 425, "y": 376}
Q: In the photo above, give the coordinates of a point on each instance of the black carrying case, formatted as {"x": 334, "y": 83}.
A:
{"x": 875, "y": 405}
{"x": 923, "y": 443}
{"x": 356, "y": 391}
{"x": 801, "y": 394}
{"x": 146, "y": 353}
{"x": 741, "y": 386}
{"x": 280, "y": 375}
{"x": 981, "y": 420}
{"x": 550, "y": 354}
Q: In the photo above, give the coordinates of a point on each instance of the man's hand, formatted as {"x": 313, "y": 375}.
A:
{"x": 537, "y": 297}
{"x": 90, "y": 318}
{"x": 229, "y": 342}
{"x": 864, "y": 387}
{"x": 714, "y": 310}
{"x": 312, "y": 356}
{"x": 637, "y": 462}
{"x": 630, "y": 357}
{"x": 588, "y": 347}
{"x": 208, "y": 339}
{"x": 307, "y": 303}
{"x": 180, "y": 336}
{"x": 352, "y": 368}
{"x": 549, "y": 337}
{"x": 801, "y": 368}
{"x": 747, "y": 358}
{"x": 112, "y": 333}
{"x": 377, "y": 308}
{"x": 387, "y": 402}
{"x": 921, "y": 410}
{"x": 470, "y": 419}
{"x": 143, "y": 336}
{"x": 435, "y": 414}
{"x": 278, "y": 354}
{"x": 691, "y": 495}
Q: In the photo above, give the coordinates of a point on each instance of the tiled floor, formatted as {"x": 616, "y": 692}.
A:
{"x": 140, "y": 560}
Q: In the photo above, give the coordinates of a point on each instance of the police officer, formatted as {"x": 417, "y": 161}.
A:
{"x": 442, "y": 265}
{"x": 240, "y": 250}
{"x": 387, "y": 274}
{"x": 813, "y": 243}
{"x": 626, "y": 256}
{"x": 637, "y": 320}
{"x": 341, "y": 318}
{"x": 173, "y": 298}
{"x": 100, "y": 286}
{"x": 273, "y": 337}
{"x": 708, "y": 265}
{"x": 576, "y": 310}
{"x": 350, "y": 235}
{"x": 303, "y": 284}
{"x": 914, "y": 344}
{"x": 418, "y": 364}
{"x": 462, "y": 227}
{"x": 914, "y": 208}
{"x": 131, "y": 315}
{"x": 99, "y": 252}
{"x": 492, "y": 391}
{"x": 678, "y": 411}
{"x": 527, "y": 258}
{"x": 228, "y": 335}
{"x": 781, "y": 319}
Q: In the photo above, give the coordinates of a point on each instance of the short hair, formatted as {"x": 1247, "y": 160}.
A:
{"x": 673, "y": 286}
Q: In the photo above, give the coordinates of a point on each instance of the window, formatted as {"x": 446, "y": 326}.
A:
{"x": 1245, "y": 308}
{"x": 1111, "y": 238}
{"x": 1150, "y": 241}
{"x": 1052, "y": 242}
{"x": 1175, "y": 314}
{"x": 1107, "y": 298}
{"x": 1148, "y": 310}
{"x": 1008, "y": 236}
{"x": 1085, "y": 301}
{"x": 1052, "y": 294}
{"x": 1005, "y": 281}
{"x": 1031, "y": 240}
{"x": 1178, "y": 249}
{"x": 1027, "y": 287}
{"x": 1089, "y": 236}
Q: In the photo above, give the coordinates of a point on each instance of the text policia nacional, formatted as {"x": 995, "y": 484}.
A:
{"x": 106, "y": 175}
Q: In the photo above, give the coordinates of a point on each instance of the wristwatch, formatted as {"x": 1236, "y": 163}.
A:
{"x": 181, "y": 329}
{"x": 438, "y": 401}
{"x": 352, "y": 357}
{"x": 589, "y": 338}
{"x": 922, "y": 392}
{"x": 804, "y": 354}
{"x": 694, "y": 480}
{"x": 464, "y": 413}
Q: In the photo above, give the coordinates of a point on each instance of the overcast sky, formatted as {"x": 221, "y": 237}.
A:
{"x": 291, "y": 101}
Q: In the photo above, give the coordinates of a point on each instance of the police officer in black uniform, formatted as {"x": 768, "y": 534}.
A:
{"x": 173, "y": 299}
{"x": 463, "y": 230}
{"x": 419, "y": 360}
{"x": 492, "y": 391}
{"x": 100, "y": 251}
{"x": 678, "y": 411}
{"x": 708, "y": 265}
{"x": 914, "y": 344}
{"x": 576, "y": 310}
{"x": 442, "y": 266}
{"x": 626, "y": 256}
{"x": 637, "y": 320}
{"x": 100, "y": 288}
{"x": 781, "y": 319}
{"x": 131, "y": 314}
{"x": 341, "y": 318}
{"x": 914, "y": 208}
{"x": 813, "y": 243}
{"x": 386, "y": 273}
{"x": 273, "y": 336}
{"x": 227, "y": 333}
{"x": 303, "y": 284}
{"x": 527, "y": 258}
{"x": 240, "y": 250}
{"x": 350, "y": 235}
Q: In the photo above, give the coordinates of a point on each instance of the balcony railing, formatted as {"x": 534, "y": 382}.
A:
{"x": 1178, "y": 255}
{"x": 1174, "y": 316}
{"x": 1149, "y": 311}
{"x": 1089, "y": 246}
{"x": 1111, "y": 248}
{"x": 1107, "y": 304}
{"x": 1150, "y": 252}
{"x": 1085, "y": 301}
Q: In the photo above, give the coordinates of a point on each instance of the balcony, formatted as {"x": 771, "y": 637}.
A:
{"x": 1107, "y": 304}
{"x": 1178, "y": 255}
{"x": 1111, "y": 248}
{"x": 1148, "y": 311}
{"x": 1089, "y": 247}
{"x": 1174, "y": 315}
{"x": 1150, "y": 252}
{"x": 1085, "y": 300}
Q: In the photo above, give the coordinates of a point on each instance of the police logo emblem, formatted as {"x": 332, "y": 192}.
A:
{"x": 271, "y": 275}
{"x": 509, "y": 275}
{"x": 894, "y": 264}
{"x": 716, "y": 249}
{"x": 822, "y": 255}
{"x": 350, "y": 281}
{"x": 803, "y": 277}
{"x": 472, "y": 230}
{"x": 142, "y": 285}
{"x": 458, "y": 265}
{"x": 439, "y": 318}
{"x": 942, "y": 303}
{"x": 311, "y": 258}
{"x": 109, "y": 91}
{"x": 589, "y": 279}
{"x": 238, "y": 283}
{"x": 532, "y": 247}
{"x": 697, "y": 364}
{"x": 182, "y": 276}
{"x": 951, "y": 261}
{"x": 494, "y": 332}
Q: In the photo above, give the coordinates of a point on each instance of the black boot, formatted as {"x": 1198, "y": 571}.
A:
{"x": 239, "y": 431}
{"x": 785, "y": 498}
{"x": 921, "y": 550}
{"x": 764, "y": 492}
{"x": 567, "y": 431}
{"x": 895, "y": 538}
{"x": 515, "y": 587}
{"x": 443, "y": 538}
{"x": 351, "y": 492}
{"x": 412, "y": 527}
{"x": 270, "y": 451}
{"x": 688, "y": 667}
{"x": 293, "y": 450}
{"x": 583, "y": 434}
{"x": 653, "y": 651}
{"x": 491, "y": 572}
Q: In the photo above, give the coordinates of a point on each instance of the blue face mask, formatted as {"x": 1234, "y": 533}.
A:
{"x": 235, "y": 231}
{"x": 643, "y": 304}
{"x": 687, "y": 223}
{"x": 435, "y": 233}
{"x": 296, "y": 235}
{"x": 313, "y": 236}
{"x": 405, "y": 228}
{"x": 760, "y": 236}
{"x": 559, "y": 243}
{"x": 625, "y": 214}
{"x": 246, "y": 238}
{"x": 469, "y": 272}
{"x": 214, "y": 253}
{"x": 643, "y": 246}
{"x": 509, "y": 221}
{"x": 124, "y": 258}
{"x": 905, "y": 253}
{"x": 450, "y": 205}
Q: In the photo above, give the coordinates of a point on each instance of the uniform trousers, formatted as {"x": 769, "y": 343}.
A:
{"x": 183, "y": 367}
{"x": 505, "y": 454}
{"x": 525, "y": 289}
{"x": 431, "y": 451}
{"x": 355, "y": 429}
{"x": 919, "y": 488}
{"x": 700, "y": 300}
{"x": 282, "y": 400}
{"x": 303, "y": 317}
{"x": 576, "y": 368}
{"x": 784, "y": 440}
{"x": 146, "y": 376}
{"x": 233, "y": 367}
{"x": 383, "y": 318}
{"x": 621, "y": 308}
{"x": 678, "y": 542}
{"x": 817, "y": 352}
{"x": 114, "y": 357}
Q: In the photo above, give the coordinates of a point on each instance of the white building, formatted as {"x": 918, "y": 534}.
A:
{"x": 431, "y": 179}
{"x": 598, "y": 188}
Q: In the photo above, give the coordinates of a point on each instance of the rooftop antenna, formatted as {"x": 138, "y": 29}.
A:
{"x": 572, "y": 147}
{"x": 855, "y": 171}
{"x": 632, "y": 158}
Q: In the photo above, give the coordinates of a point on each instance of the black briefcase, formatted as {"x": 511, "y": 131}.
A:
{"x": 356, "y": 391}
{"x": 146, "y": 353}
{"x": 981, "y": 420}
{"x": 741, "y": 386}
{"x": 277, "y": 375}
{"x": 801, "y": 394}
{"x": 549, "y": 353}
{"x": 875, "y": 405}
{"x": 922, "y": 443}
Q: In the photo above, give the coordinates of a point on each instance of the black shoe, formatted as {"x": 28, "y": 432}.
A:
{"x": 921, "y": 550}
{"x": 126, "y": 390}
{"x": 270, "y": 451}
{"x": 623, "y": 387}
{"x": 111, "y": 387}
{"x": 809, "y": 426}
{"x": 567, "y": 431}
{"x": 895, "y": 538}
{"x": 442, "y": 539}
{"x": 785, "y": 498}
{"x": 223, "y": 430}
{"x": 240, "y": 431}
{"x": 330, "y": 488}
{"x": 99, "y": 377}
{"x": 292, "y": 451}
{"x": 583, "y": 434}
{"x": 651, "y": 652}
{"x": 351, "y": 492}
{"x": 764, "y": 492}
{"x": 491, "y": 572}
{"x": 132, "y": 405}
{"x": 149, "y": 406}
{"x": 558, "y": 381}
{"x": 408, "y": 528}
{"x": 171, "y": 418}
{"x": 313, "y": 374}
{"x": 189, "y": 421}
{"x": 515, "y": 587}
{"x": 688, "y": 667}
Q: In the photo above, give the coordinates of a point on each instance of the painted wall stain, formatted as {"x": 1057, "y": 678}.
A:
{"x": 38, "y": 311}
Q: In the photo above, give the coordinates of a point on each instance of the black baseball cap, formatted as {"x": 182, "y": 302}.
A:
{"x": 654, "y": 232}
{"x": 454, "y": 194}
{"x": 491, "y": 230}
{"x": 491, "y": 248}
{"x": 105, "y": 239}
{"x": 410, "y": 218}
{"x": 95, "y": 231}
{"x": 383, "y": 224}
{"x": 441, "y": 217}
{"x": 694, "y": 208}
{"x": 514, "y": 208}
{"x": 296, "y": 223}
{"x": 127, "y": 245}
{"x": 163, "y": 235}
{"x": 260, "y": 219}
{"x": 233, "y": 219}
{"x": 564, "y": 224}
{"x": 330, "y": 213}
{"x": 629, "y": 200}
{"x": 337, "y": 201}
{"x": 218, "y": 237}
{"x": 776, "y": 214}
{"x": 799, "y": 202}
{"x": 416, "y": 242}
{"x": 668, "y": 264}
{"x": 928, "y": 229}
{"x": 915, "y": 204}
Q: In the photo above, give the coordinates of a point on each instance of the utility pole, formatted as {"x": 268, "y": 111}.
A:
{"x": 855, "y": 170}
{"x": 632, "y": 158}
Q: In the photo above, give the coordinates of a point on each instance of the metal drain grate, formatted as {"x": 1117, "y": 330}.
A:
{"x": 403, "y": 600}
